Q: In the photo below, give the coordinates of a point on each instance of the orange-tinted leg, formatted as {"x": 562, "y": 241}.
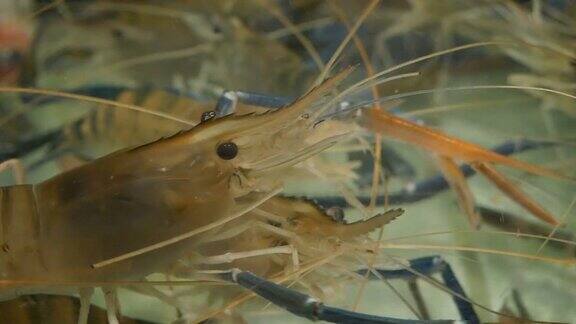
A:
{"x": 435, "y": 141}
{"x": 458, "y": 183}
{"x": 450, "y": 149}
{"x": 512, "y": 191}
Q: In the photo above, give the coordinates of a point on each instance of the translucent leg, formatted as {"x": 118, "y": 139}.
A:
{"x": 16, "y": 167}
{"x": 111, "y": 301}
{"x": 417, "y": 294}
{"x": 85, "y": 299}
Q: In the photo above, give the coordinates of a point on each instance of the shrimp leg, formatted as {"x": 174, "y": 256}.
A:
{"x": 230, "y": 257}
{"x": 507, "y": 187}
{"x": 85, "y": 298}
{"x": 16, "y": 167}
{"x": 458, "y": 183}
{"x": 304, "y": 305}
{"x": 450, "y": 148}
{"x": 443, "y": 145}
{"x": 111, "y": 300}
{"x": 428, "y": 266}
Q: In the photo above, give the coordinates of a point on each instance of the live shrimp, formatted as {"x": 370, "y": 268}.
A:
{"x": 103, "y": 174}
{"x": 397, "y": 129}
{"x": 236, "y": 162}
{"x": 183, "y": 186}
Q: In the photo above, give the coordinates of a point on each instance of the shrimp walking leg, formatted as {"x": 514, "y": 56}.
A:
{"x": 419, "y": 299}
{"x": 231, "y": 256}
{"x": 16, "y": 167}
{"x": 458, "y": 183}
{"x": 517, "y": 304}
{"x": 304, "y": 305}
{"x": 85, "y": 300}
{"x": 511, "y": 190}
{"x": 452, "y": 148}
{"x": 111, "y": 301}
{"x": 427, "y": 266}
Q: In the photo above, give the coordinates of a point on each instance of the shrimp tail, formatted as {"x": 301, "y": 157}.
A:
{"x": 351, "y": 230}
{"x": 444, "y": 145}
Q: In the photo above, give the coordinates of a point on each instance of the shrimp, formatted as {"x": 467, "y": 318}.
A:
{"x": 241, "y": 161}
{"x": 376, "y": 123}
{"x": 180, "y": 186}
{"x": 204, "y": 54}
{"x": 183, "y": 186}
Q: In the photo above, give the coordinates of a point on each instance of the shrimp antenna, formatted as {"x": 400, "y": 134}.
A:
{"x": 345, "y": 42}
{"x": 96, "y": 100}
{"x": 428, "y": 91}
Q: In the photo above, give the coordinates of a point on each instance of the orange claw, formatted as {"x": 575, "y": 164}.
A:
{"x": 458, "y": 183}
{"x": 450, "y": 148}
{"x": 442, "y": 144}
{"x": 513, "y": 192}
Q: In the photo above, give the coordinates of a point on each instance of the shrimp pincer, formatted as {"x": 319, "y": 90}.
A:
{"x": 448, "y": 149}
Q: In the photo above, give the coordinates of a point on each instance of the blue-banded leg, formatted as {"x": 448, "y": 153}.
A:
{"x": 306, "y": 306}
{"x": 428, "y": 266}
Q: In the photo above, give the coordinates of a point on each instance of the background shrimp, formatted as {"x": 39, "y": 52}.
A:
{"x": 480, "y": 127}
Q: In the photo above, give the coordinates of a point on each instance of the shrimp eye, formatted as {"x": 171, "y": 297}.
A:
{"x": 207, "y": 115}
{"x": 227, "y": 151}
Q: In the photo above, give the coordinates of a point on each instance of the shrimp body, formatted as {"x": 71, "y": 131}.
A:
{"x": 58, "y": 230}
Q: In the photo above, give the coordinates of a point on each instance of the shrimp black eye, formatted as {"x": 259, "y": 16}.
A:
{"x": 227, "y": 151}
{"x": 207, "y": 115}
